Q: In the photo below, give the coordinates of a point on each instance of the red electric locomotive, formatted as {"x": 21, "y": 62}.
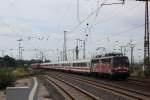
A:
{"x": 112, "y": 65}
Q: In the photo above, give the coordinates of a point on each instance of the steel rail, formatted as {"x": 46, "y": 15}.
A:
{"x": 48, "y": 80}
{"x": 118, "y": 89}
{"x": 75, "y": 87}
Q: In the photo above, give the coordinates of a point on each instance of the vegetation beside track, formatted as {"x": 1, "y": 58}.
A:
{"x": 12, "y": 69}
{"x": 9, "y": 75}
{"x": 137, "y": 70}
{"x": 6, "y": 77}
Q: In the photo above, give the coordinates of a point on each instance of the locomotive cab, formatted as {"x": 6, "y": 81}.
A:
{"x": 120, "y": 66}
{"x": 113, "y": 65}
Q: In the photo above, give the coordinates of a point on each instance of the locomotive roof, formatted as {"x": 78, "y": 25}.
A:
{"x": 66, "y": 62}
{"x": 105, "y": 57}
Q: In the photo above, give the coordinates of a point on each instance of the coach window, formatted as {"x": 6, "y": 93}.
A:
{"x": 83, "y": 64}
{"x": 73, "y": 64}
{"x": 78, "y": 64}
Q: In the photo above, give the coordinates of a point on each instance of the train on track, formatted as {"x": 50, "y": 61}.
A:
{"x": 110, "y": 65}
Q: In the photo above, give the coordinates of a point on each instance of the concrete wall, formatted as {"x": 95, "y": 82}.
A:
{"x": 17, "y": 93}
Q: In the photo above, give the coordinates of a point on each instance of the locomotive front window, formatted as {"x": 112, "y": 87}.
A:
{"x": 120, "y": 61}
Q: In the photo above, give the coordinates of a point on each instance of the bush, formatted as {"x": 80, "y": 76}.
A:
{"x": 147, "y": 72}
{"x": 6, "y": 78}
{"x": 141, "y": 73}
{"x": 20, "y": 72}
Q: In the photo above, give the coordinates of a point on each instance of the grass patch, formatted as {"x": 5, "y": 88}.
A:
{"x": 20, "y": 72}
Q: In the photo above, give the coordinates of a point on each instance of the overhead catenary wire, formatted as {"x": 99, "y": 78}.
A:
{"x": 121, "y": 32}
{"x": 117, "y": 14}
{"x": 92, "y": 13}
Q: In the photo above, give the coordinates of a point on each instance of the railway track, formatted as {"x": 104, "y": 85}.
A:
{"x": 113, "y": 88}
{"x": 135, "y": 83}
{"x": 140, "y": 80}
{"x": 70, "y": 91}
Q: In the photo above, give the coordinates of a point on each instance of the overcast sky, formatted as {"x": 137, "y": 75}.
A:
{"x": 41, "y": 23}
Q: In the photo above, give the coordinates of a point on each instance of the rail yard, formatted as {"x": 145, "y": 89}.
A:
{"x": 101, "y": 78}
{"x": 78, "y": 87}
{"x": 74, "y": 50}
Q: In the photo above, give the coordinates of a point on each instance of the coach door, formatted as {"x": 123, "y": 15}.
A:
{"x": 95, "y": 65}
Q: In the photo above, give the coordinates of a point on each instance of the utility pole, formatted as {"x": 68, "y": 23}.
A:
{"x": 19, "y": 48}
{"x": 124, "y": 53}
{"x": 21, "y": 53}
{"x": 36, "y": 55}
{"x": 83, "y": 46}
{"x": 146, "y": 38}
{"x": 58, "y": 55}
{"x": 77, "y": 50}
{"x": 42, "y": 55}
{"x": 11, "y": 52}
{"x": 83, "y": 49}
{"x": 65, "y": 47}
{"x": 123, "y": 50}
{"x": 73, "y": 50}
{"x": 132, "y": 48}
{"x": 61, "y": 55}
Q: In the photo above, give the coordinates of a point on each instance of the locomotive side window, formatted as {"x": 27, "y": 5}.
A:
{"x": 106, "y": 61}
